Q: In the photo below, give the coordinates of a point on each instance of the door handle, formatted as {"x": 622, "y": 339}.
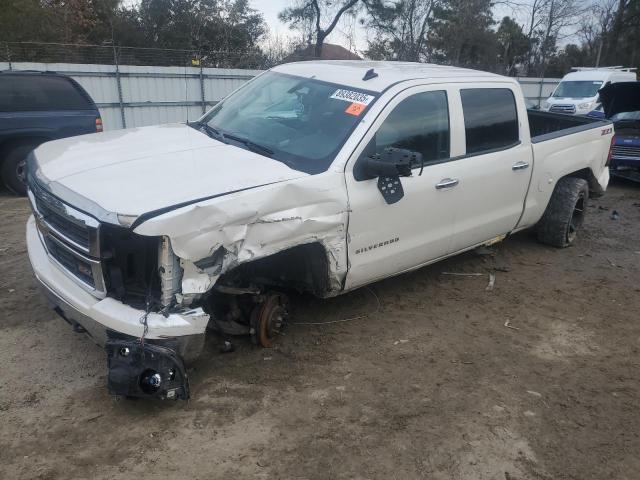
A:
{"x": 447, "y": 183}
{"x": 520, "y": 166}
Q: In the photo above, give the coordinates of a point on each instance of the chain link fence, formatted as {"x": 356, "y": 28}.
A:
{"x": 144, "y": 86}
{"x": 35, "y": 52}
{"x": 135, "y": 87}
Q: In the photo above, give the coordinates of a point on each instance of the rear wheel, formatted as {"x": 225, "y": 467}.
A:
{"x": 565, "y": 213}
{"x": 14, "y": 168}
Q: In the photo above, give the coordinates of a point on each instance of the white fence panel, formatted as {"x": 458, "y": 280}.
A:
{"x": 536, "y": 90}
{"x": 136, "y": 96}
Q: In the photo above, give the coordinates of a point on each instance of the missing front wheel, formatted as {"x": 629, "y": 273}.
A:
{"x": 268, "y": 319}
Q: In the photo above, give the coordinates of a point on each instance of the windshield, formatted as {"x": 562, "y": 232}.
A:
{"x": 578, "y": 89}
{"x": 298, "y": 121}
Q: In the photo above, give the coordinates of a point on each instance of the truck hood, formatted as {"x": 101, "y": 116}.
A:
{"x": 620, "y": 97}
{"x": 140, "y": 170}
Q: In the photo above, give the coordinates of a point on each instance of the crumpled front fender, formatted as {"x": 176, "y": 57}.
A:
{"x": 214, "y": 236}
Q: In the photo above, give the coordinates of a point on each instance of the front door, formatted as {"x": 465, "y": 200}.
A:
{"x": 387, "y": 238}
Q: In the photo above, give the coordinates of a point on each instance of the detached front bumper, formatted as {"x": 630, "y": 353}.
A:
{"x": 169, "y": 340}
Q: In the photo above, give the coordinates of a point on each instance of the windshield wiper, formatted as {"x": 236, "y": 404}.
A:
{"x": 256, "y": 147}
{"x": 224, "y": 136}
{"x": 210, "y": 131}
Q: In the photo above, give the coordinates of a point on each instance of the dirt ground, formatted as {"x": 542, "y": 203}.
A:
{"x": 430, "y": 385}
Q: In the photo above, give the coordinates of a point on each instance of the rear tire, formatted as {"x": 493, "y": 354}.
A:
{"x": 565, "y": 212}
{"x": 14, "y": 168}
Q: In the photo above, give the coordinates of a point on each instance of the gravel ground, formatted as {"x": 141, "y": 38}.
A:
{"x": 430, "y": 385}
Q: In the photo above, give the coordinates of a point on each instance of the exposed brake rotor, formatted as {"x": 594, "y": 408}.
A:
{"x": 269, "y": 319}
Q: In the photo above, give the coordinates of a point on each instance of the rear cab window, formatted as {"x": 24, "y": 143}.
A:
{"x": 29, "y": 93}
{"x": 490, "y": 119}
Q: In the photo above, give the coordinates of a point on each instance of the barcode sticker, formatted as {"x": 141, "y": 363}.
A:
{"x": 352, "y": 96}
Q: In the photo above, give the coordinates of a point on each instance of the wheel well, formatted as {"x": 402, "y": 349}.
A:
{"x": 10, "y": 144}
{"x": 594, "y": 187}
{"x": 303, "y": 268}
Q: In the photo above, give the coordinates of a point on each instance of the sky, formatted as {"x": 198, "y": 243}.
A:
{"x": 271, "y": 8}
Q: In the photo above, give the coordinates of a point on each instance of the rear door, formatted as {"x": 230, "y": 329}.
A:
{"x": 496, "y": 167}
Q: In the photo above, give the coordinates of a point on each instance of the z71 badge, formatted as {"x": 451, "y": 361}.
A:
{"x": 606, "y": 131}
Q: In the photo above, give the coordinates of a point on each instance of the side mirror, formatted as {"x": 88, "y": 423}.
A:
{"x": 388, "y": 167}
{"x": 392, "y": 162}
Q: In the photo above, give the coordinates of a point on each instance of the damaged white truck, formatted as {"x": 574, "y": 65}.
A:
{"x": 319, "y": 177}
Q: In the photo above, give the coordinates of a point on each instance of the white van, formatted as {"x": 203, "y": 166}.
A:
{"x": 577, "y": 92}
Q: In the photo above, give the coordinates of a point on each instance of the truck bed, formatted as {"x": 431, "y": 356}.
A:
{"x": 545, "y": 125}
{"x": 564, "y": 145}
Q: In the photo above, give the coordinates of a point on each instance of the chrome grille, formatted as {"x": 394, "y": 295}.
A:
{"x": 78, "y": 233}
{"x": 74, "y": 264}
{"x": 74, "y": 227}
{"x": 570, "y": 109}
{"x": 623, "y": 151}
{"x": 70, "y": 237}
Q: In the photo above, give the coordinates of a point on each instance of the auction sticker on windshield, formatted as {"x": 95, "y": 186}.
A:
{"x": 352, "y": 96}
{"x": 355, "y": 109}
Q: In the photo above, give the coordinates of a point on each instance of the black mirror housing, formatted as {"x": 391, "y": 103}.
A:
{"x": 392, "y": 162}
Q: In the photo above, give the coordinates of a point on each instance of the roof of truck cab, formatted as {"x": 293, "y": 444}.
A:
{"x": 351, "y": 73}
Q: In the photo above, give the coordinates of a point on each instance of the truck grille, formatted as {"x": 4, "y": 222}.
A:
{"x": 78, "y": 266}
{"x": 70, "y": 237}
{"x": 569, "y": 109}
{"x": 626, "y": 152}
{"x": 64, "y": 226}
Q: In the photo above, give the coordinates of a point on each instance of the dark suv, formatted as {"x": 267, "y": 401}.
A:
{"x": 36, "y": 107}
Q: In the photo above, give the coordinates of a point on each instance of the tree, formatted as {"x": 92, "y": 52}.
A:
{"x": 568, "y": 57}
{"x": 548, "y": 23}
{"x": 199, "y": 25}
{"x": 15, "y": 14}
{"x": 622, "y": 37}
{"x": 594, "y": 29}
{"x": 308, "y": 16}
{"x": 400, "y": 28}
{"x": 219, "y": 24}
{"x": 461, "y": 33}
{"x": 514, "y": 45}
{"x": 607, "y": 37}
{"x": 276, "y": 48}
{"x": 534, "y": 14}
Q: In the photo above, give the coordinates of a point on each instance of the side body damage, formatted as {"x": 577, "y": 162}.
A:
{"x": 214, "y": 237}
{"x": 236, "y": 250}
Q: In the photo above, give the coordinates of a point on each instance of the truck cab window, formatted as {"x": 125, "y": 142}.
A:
{"x": 490, "y": 119}
{"x": 419, "y": 123}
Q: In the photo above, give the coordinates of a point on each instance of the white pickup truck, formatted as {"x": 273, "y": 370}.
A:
{"x": 315, "y": 176}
